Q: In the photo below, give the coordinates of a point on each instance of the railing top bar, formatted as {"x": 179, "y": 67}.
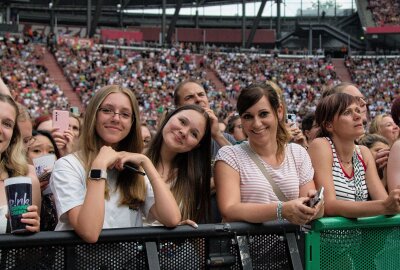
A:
{"x": 147, "y": 234}
{"x": 332, "y": 223}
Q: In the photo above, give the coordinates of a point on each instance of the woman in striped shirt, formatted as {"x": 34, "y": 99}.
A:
{"x": 347, "y": 171}
{"x": 243, "y": 192}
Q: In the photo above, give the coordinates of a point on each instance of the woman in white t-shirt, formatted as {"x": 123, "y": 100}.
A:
{"x": 243, "y": 192}
{"x": 92, "y": 188}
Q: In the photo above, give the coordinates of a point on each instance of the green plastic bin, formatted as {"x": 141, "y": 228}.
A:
{"x": 365, "y": 243}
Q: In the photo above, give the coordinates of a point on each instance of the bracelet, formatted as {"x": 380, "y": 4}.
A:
{"x": 279, "y": 211}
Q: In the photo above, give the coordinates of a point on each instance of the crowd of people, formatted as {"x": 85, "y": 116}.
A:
{"x": 152, "y": 73}
{"x": 111, "y": 171}
{"x": 302, "y": 80}
{"x": 378, "y": 79}
{"x": 30, "y": 82}
{"x": 385, "y": 12}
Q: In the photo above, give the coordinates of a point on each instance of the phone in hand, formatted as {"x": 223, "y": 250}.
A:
{"x": 74, "y": 110}
{"x": 151, "y": 122}
{"x": 61, "y": 120}
{"x": 291, "y": 118}
{"x": 316, "y": 199}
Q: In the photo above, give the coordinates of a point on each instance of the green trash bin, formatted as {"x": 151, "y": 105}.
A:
{"x": 354, "y": 244}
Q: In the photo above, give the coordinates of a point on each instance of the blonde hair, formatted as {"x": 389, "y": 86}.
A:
{"x": 131, "y": 186}
{"x": 77, "y": 119}
{"x": 23, "y": 114}
{"x": 279, "y": 91}
{"x": 13, "y": 159}
{"x": 374, "y": 127}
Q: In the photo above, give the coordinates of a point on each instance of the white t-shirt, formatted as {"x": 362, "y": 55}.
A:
{"x": 296, "y": 170}
{"x": 68, "y": 183}
{"x": 3, "y": 219}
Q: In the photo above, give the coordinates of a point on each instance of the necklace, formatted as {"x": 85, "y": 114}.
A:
{"x": 347, "y": 164}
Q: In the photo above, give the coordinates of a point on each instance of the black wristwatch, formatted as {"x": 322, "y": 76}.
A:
{"x": 96, "y": 174}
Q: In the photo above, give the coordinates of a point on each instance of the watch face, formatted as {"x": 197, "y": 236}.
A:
{"x": 95, "y": 174}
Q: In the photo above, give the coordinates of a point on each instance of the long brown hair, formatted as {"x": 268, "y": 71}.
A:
{"x": 191, "y": 182}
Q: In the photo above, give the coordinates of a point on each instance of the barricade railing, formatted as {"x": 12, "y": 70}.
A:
{"x": 364, "y": 243}
{"x": 271, "y": 245}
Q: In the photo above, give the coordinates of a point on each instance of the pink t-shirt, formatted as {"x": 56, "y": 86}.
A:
{"x": 296, "y": 170}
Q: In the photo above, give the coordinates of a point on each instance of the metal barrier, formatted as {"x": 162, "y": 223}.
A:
{"x": 364, "y": 243}
{"x": 271, "y": 245}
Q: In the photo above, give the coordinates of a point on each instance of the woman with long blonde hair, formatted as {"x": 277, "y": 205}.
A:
{"x": 93, "y": 188}
{"x": 13, "y": 163}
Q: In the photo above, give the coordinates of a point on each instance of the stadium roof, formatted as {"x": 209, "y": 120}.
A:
{"x": 126, "y": 4}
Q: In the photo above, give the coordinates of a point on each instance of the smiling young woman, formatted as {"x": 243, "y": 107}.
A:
{"x": 13, "y": 163}
{"x": 92, "y": 190}
{"x": 181, "y": 152}
{"x": 243, "y": 192}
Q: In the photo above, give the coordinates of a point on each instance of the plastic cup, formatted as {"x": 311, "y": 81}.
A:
{"x": 44, "y": 162}
{"x": 19, "y": 197}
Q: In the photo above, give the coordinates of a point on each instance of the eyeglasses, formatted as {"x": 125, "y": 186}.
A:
{"x": 122, "y": 115}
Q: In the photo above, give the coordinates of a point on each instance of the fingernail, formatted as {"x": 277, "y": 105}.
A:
{"x": 195, "y": 225}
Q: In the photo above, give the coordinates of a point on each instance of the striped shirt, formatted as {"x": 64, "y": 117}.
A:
{"x": 350, "y": 188}
{"x": 295, "y": 170}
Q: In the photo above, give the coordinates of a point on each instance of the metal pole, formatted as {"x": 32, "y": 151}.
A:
{"x": 243, "y": 23}
{"x": 335, "y": 9}
{"x": 121, "y": 18}
{"x": 301, "y": 8}
{"x": 352, "y": 6}
{"x": 89, "y": 17}
{"x": 56, "y": 28}
{"x": 310, "y": 40}
{"x": 204, "y": 40}
{"x": 278, "y": 18}
{"x": 51, "y": 6}
{"x": 320, "y": 42}
{"x": 163, "y": 22}
{"x": 270, "y": 21}
{"x": 348, "y": 44}
{"x": 197, "y": 17}
{"x": 8, "y": 14}
{"x": 284, "y": 10}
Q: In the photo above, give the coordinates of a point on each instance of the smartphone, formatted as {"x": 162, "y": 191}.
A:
{"x": 74, "y": 110}
{"x": 61, "y": 120}
{"x": 291, "y": 118}
{"x": 151, "y": 122}
{"x": 317, "y": 198}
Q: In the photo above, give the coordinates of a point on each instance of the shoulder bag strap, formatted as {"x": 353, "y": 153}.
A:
{"x": 262, "y": 168}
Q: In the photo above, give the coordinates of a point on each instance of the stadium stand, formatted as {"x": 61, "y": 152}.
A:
{"x": 24, "y": 73}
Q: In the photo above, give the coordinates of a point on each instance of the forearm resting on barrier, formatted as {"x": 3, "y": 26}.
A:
{"x": 351, "y": 209}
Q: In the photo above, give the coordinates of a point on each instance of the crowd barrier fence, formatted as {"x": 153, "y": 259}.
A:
{"x": 330, "y": 243}
{"x": 371, "y": 243}
{"x": 271, "y": 245}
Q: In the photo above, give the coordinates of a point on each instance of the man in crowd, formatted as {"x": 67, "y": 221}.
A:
{"x": 191, "y": 92}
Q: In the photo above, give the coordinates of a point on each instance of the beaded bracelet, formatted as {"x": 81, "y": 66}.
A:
{"x": 279, "y": 211}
